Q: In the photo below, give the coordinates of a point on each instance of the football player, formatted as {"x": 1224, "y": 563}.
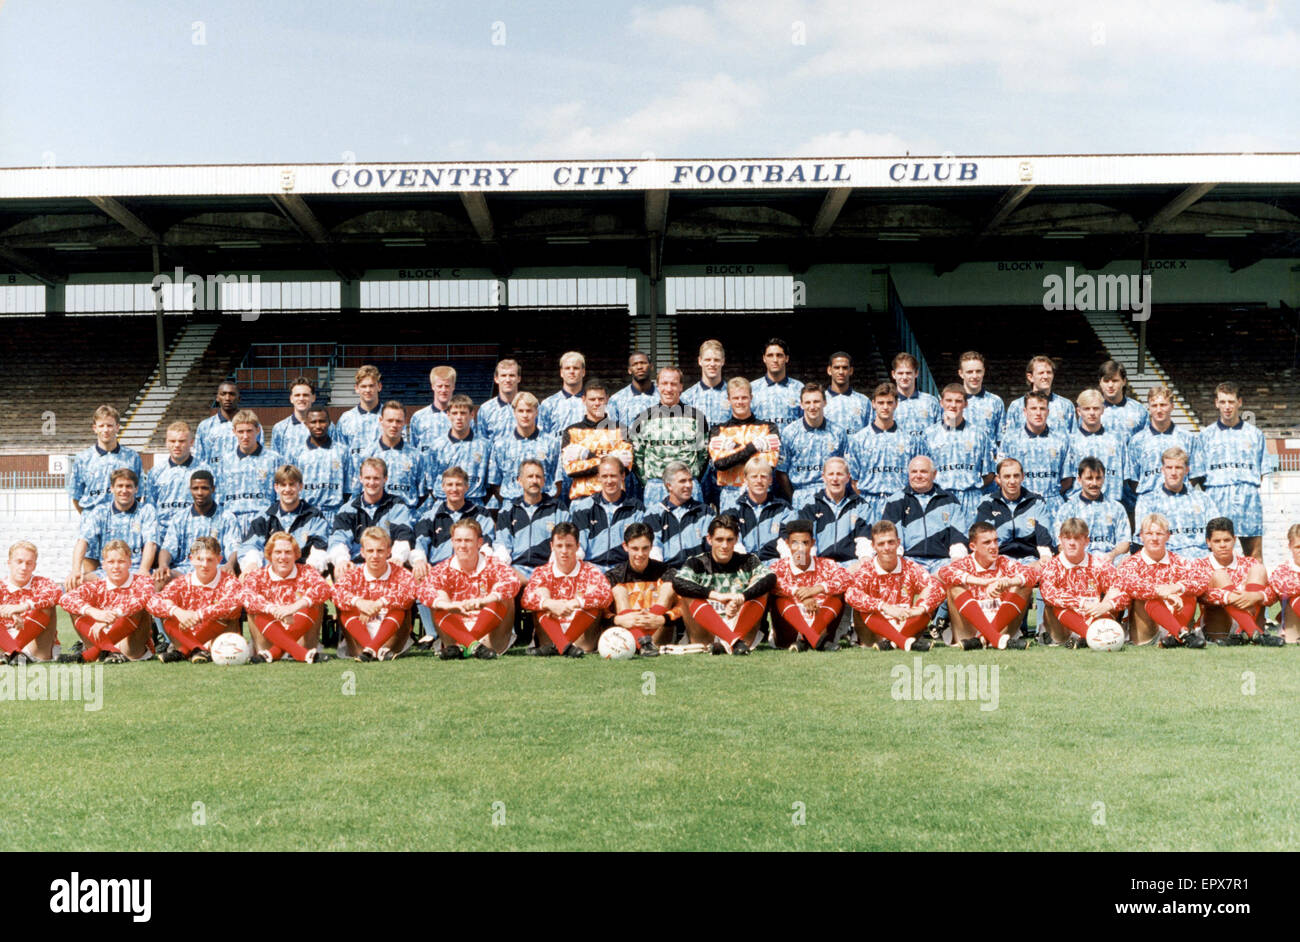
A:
{"x": 472, "y": 597}
{"x": 725, "y": 592}
{"x": 199, "y": 606}
{"x": 374, "y": 601}
{"x": 28, "y": 625}
{"x": 568, "y": 597}
{"x": 808, "y": 596}
{"x": 1235, "y": 457}
{"x": 1078, "y": 588}
{"x": 893, "y": 598}
{"x": 285, "y": 603}
{"x": 1163, "y": 587}
{"x": 89, "y": 473}
{"x": 988, "y": 594}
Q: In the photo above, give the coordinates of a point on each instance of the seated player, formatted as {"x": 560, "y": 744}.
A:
{"x": 201, "y": 519}
{"x": 1232, "y": 607}
{"x": 807, "y": 443}
{"x": 892, "y": 597}
{"x": 841, "y": 519}
{"x": 123, "y": 518}
{"x": 1019, "y": 516}
{"x": 1187, "y": 509}
{"x": 496, "y": 416}
{"x": 289, "y": 514}
{"x": 568, "y": 597}
{"x": 471, "y": 597}
{"x": 523, "y": 440}
{"x": 290, "y": 434}
{"x": 878, "y": 455}
{"x": 404, "y": 460}
{"x": 246, "y": 473}
{"x": 109, "y": 614}
{"x": 643, "y": 592}
{"x": 90, "y": 471}
{"x": 431, "y": 423}
{"x": 199, "y": 606}
{"x": 928, "y": 518}
{"x": 28, "y": 625}
{"x": 725, "y": 592}
{"x": 1109, "y": 532}
{"x": 373, "y": 507}
{"x": 738, "y": 438}
{"x": 679, "y": 520}
{"x": 585, "y": 443}
{"x": 961, "y": 452}
{"x": 374, "y": 601}
{"x": 808, "y": 597}
{"x": 285, "y": 603}
{"x": 1284, "y": 587}
{"x": 602, "y": 517}
{"x": 326, "y": 465}
{"x": 987, "y": 594}
{"x": 1163, "y": 587}
{"x": 167, "y": 486}
{"x": 457, "y": 446}
{"x": 761, "y": 513}
{"x": 524, "y": 526}
{"x": 1078, "y": 588}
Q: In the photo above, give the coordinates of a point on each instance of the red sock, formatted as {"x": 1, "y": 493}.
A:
{"x": 90, "y": 651}
{"x": 1072, "y": 620}
{"x": 708, "y": 618}
{"x": 794, "y": 615}
{"x": 1009, "y": 612}
{"x": 282, "y": 636}
{"x": 1243, "y": 618}
{"x": 354, "y": 623}
{"x": 969, "y": 607}
{"x": 119, "y": 629}
{"x": 450, "y": 624}
{"x": 1295, "y": 605}
{"x": 31, "y": 628}
{"x": 1166, "y": 619}
{"x": 583, "y": 619}
{"x": 751, "y": 613}
{"x": 490, "y": 618}
{"x": 185, "y": 641}
{"x": 827, "y": 614}
{"x": 881, "y": 625}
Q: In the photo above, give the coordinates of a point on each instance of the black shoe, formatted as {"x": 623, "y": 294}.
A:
{"x": 827, "y": 643}
{"x": 801, "y": 644}
{"x": 543, "y": 650}
{"x": 884, "y": 644}
{"x": 646, "y": 647}
{"x": 198, "y": 656}
{"x": 172, "y": 656}
{"x": 17, "y": 659}
{"x": 717, "y": 648}
{"x": 740, "y": 647}
{"x": 78, "y": 647}
{"x": 451, "y": 651}
{"x": 574, "y": 651}
{"x": 1044, "y": 639}
{"x": 1018, "y": 644}
{"x": 4, "y": 657}
{"x": 973, "y": 644}
{"x": 72, "y": 657}
{"x": 1194, "y": 639}
{"x": 258, "y": 657}
{"x": 1169, "y": 641}
{"x": 920, "y": 644}
{"x": 484, "y": 652}
{"x": 317, "y": 656}
{"x": 366, "y": 656}
{"x": 114, "y": 657}
{"x": 426, "y": 643}
{"x": 1237, "y": 636}
{"x": 1266, "y": 640}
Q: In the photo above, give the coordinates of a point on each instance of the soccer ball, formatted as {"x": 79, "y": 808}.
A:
{"x": 616, "y": 644}
{"x": 1105, "y": 634}
{"x": 231, "y": 648}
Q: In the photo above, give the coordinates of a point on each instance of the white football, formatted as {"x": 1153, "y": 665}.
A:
{"x": 231, "y": 648}
{"x": 1105, "y": 634}
{"x": 616, "y": 644}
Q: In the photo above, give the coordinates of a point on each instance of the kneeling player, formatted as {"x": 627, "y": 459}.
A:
{"x": 1233, "y": 605}
{"x": 109, "y": 613}
{"x": 285, "y": 602}
{"x": 725, "y": 592}
{"x": 1284, "y": 586}
{"x": 197, "y": 607}
{"x": 374, "y": 601}
{"x": 643, "y": 597}
{"x": 1078, "y": 587}
{"x": 894, "y": 598}
{"x": 568, "y": 597}
{"x": 987, "y": 593}
{"x": 471, "y": 597}
{"x": 1164, "y": 587}
{"x": 809, "y": 594}
{"x": 28, "y": 630}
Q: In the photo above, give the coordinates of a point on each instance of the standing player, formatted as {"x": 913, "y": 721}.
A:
{"x": 1233, "y": 605}
{"x": 430, "y": 424}
{"x": 568, "y": 597}
{"x": 285, "y": 603}
{"x": 1149, "y": 443}
{"x": 916, "y": 410}
{"x": 602, "y": 517}
{"x": 1042, "y": 451}
{"x": 560, "y": 410}
{"x": 360, "y": 425}
{"x": 1039, "y": 374}
{"x": 457, "y": 447}
{"x": 28, "y": 623}
{"x": 725, "y": 591}
{"x": 807, "y": 443}
{"x": 290, "y": 514}
{"x": 1234, "y": 458}
{"x": 472, "y": 597}
{"x": 643, "y": 592}
{"x": 983, "y": 409}
{"x": 509, "y": 449}
{"x": 290, "y": 433}
{"x": 893, "y": 598}
{"x": 246, "y": 475}
{"x": 584, "y": 444}
{"x": 879, "y": 454}
{"x": 709, "y": 395}
{"x": 841, "y": 520}
{"x": 637, "y": 396}
{"x": 845, "y": 407}
{"x": 123, "y": 520}
{"x": 1109, "y": 530}
{"x": 199, "y": 606}
{"x": 961, "y": 452}
{"x": 1163, "y": 587}
{"x": 808, "y": 596}
{"x": 987, "y": 593}
{"x": 90, "y": 471}
{"x": 1123, "y": 414}
{"x": 524, "y": 526}
{"x": 215, "y": 435}
{"x": 761, "y": 513}
{"x": 373, "y": 507}
{"x": 326, "y": 465}
{"x": 497, "y": 415}
{"x": 404, "y": 461}
{"x": 667, "y": 433}
{"x": 678, "y": 521}
{"x": 1284, "y": 587}
{"x": 374, "y": 601}
{"x": 1187, "y": 510}
{"x": 1078, "y": 588}
{"x": 776, "y": 395}
{"x": 167, "y": 487}
{"x": 1092, "y": 439}
{"x": 109, "y": 614}
{"x": 737, "y": 439}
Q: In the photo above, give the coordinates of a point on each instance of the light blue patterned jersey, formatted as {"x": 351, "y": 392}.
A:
{"x": 510, "y": 448}
{"x": 626, "y": 404}
{"x": 851, "y": 411}
{"x": 961, "y": 455}
{"x": 405, "y": 470}
{"x": 711, "y": 400}
{"x": 1107, "y": 521}
{"x": 1144, "y": 451}
{"x": 878, "y": 459}
{"x": 1126, "y": 417}
{"x": 288, "y": 436}
{"x": 1108, "y": 447}
{"x": 427, "y": 426}
{"x": 105, "y": 523}
{"x": 326, "y": 475}
{"x": 804, "y": 451}
{"x": 1237, "y": 455}
{"x": 560, "y": 410}
{"x": 917, "y": 412}
{"x": 1060, "y": 414}
{"x": 1188, "y": 511}
{"x": 776, "y": 402}
{"x": 184, "y": 528}
{"x": 88, "y": 473}
{"x": 986, "y": 411}
{"x": 246, "y": 483}
{"x": 470, "y": 454}
{"x": 1042, "y": 457}
{"x": 357, "y": 428}
{"x": 494, "y": 418}
{"x": 214, "y": 437}
{"x": 167, "y": 487}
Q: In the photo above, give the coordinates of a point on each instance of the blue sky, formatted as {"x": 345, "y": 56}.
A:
{"x": 242, "y": 82}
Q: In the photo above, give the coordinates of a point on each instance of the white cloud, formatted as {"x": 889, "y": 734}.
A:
{"x": 685, "y": 24}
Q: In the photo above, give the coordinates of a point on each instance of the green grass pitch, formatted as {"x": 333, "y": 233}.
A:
{"x": 1137, "y": 750}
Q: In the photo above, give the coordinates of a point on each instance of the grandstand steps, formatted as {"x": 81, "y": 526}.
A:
{"x": 146, "y": 412}
{"x": 664, "y": 340}
{"x": 1114, "y": 331}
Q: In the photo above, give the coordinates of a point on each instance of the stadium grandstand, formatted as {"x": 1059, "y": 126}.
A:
{"x": 144, "y": 287}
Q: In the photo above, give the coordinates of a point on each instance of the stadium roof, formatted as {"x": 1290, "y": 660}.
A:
{"x": 645, "y": 214}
